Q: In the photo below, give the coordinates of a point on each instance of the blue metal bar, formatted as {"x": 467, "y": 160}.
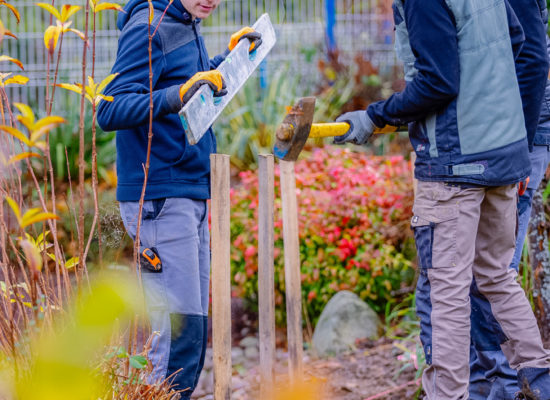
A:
{"x": 330, "y": 16}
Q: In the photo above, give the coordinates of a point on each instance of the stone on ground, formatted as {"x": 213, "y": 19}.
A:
{"x": 345, "y": 319}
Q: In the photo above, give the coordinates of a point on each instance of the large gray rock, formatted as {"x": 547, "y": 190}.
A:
{"x": 345, "y": 319}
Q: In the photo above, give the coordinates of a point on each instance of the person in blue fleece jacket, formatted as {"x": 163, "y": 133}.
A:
{"x": 491, "y": 377}
{"x": 175, "y": 215}
{"x": 467, "y": 126}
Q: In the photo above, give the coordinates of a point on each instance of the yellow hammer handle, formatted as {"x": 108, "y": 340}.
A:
{"x": 331, "y": 129}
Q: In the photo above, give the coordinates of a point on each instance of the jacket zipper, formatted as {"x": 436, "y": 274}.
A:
{"x": 197, "y": 41}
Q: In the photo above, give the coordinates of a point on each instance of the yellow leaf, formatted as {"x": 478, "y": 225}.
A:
{"x": 16, "y": 133}
{"x": 105, "y": 82}
{"x": 68, "y": 86}
{"x": 151, "y": 12}
{"x": 91, "y": 84}
{"x": 22, "y": 156}
{"x": 51, "y": 9}
{"x": 17, "y": 79}
{"x": 108, "y": 6}
{"x": 51, "y": 120}
{"x": 90, "y": 91}
{"x": 103, "y": 97}
{"x": 14, "y": 207}
{"x": 13, "y": 60}
{"x": 27, "y": 116}
{"x": 2, "y": 31}
{"x": 71, "y": 263}
{"x": 51, "y": 36}
{"x": 13, "y": 10}
{"x": 80, "y": 34}
{"x": 67, "y": 11}
{"x": 52, "y": 256}
{"x": 64, "y": 25}
{"x": 41, "y": 238}
{"x": 40, "y": 144}
{"x": 37, "y": 218}
{"x": 38, "y": 133}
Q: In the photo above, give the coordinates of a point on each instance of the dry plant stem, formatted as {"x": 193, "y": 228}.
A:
{"x": 2, "y": 112}
{"x": 48, "y": 154}
{"x": 10, "y": 113}
{"x": 81, "y": 164}
{"x": 49, "y": 110}
{"x": 48, "y": 62}
{"x": 95, "y": 194}
{"x": 9, "y": 332}
{"x": 57, "y": 249}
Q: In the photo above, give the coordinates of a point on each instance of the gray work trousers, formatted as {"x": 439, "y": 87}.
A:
{"x": 461, "y": 233}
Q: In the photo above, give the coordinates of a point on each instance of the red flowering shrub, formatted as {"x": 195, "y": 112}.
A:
{"x": 354, "y": 213}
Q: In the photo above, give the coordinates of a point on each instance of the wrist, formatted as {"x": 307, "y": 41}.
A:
{"x": 173, "y": 98}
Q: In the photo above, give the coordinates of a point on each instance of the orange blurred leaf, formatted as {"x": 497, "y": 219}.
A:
{"x": 12, "y": 9}
{"x": 32, "y": 255}
{"x": 13, "y": 60}
{"x": 22, "y": 156}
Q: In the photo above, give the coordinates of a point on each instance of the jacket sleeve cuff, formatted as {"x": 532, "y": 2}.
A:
{"x": 173, "y": 98}
{"x": 377, "y": 120}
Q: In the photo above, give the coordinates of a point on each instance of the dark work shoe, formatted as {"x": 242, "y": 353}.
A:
{"x": 534, "y": 384}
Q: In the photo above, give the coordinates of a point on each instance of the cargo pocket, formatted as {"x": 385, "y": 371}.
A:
{"x": 435, "y": 237}
{"x": 435, "y": 234}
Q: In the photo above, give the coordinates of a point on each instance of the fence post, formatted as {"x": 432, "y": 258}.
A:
{"x": 266, "y": 283}
{"x": 221, "y": 277}
{"x": 292, "y": 270}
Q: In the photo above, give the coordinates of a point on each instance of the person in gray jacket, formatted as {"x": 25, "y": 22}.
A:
{"x": 467, "y": 127}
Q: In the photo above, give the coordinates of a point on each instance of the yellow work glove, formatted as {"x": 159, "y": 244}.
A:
{"x": 246, "y": 33}
{"x": 212, "y": 78}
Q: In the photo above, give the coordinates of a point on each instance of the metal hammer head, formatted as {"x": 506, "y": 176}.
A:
{"x": 292, "y": 134}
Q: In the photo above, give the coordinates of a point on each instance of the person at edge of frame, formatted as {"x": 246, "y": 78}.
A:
{"x": 175, "y": 215}
{"x": 467, "y": 127}
{"x": 491, "y": 377}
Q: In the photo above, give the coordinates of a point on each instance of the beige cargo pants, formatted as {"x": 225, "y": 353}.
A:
{"x": 463, "y": 233}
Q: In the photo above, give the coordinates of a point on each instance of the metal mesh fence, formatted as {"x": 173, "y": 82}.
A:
{"x": 362, "y": 26}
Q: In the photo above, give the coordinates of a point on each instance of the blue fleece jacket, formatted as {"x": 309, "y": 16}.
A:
{"x": 177, "y": 169}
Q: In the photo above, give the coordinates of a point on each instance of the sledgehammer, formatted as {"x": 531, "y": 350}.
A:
{"x": 298, "y": 126}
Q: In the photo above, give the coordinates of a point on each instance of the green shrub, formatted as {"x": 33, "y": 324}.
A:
{"x": 354, "y": 213}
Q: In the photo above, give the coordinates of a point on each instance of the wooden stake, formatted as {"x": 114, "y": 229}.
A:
{"x": 221, "y": 277}
{"x": 266, "y": 280}
{"x": 292, "y": 270}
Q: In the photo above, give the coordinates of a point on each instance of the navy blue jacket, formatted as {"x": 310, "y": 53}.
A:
{"x": 532, "y": 62}
{"x": 542, "y": 137}
{"x": 177, "y": 169}
{"x": 462, "y": 96}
